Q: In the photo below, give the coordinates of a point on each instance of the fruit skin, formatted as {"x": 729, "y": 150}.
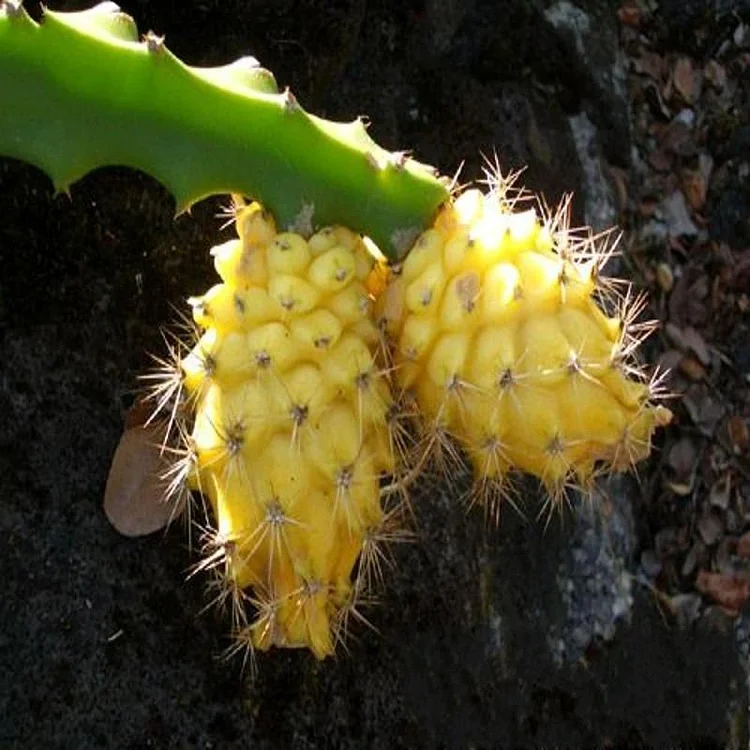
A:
{"x": 81, "y": 91}
{"x": 290, "y": 409}
{"x": 498, "y": 333}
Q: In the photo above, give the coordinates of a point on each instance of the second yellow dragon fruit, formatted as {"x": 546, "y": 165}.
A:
{"x": 500, "y": 334}
{"x": 289, "y": 435}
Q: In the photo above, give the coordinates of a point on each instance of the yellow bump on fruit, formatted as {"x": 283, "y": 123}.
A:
{"x": 460, "y": 301}
{"x": 272, "y": 348}
{"x": 351, "y": 304}
{"x": 321, "y": 241}
{"x": 331, "y": 456}
{"x": 346, "y": 238}
{"x": 200, "y": 364}
{"x": 348, "y": 360}
{"x": 424, "y": 253}
{"x": 252, "y": 268}
{"x": 288, "y": 253}
{"x": 469, "y": 206}
{"x": 454, "y": 252}
{"x": 593, "y": 349}
{"x": 522, "y": 230}
{"x": 417, "y": 336}
{"x": 501, "y": 293}
{"x": 492, "y": 355}
{"x": 590, "y": 412}
{"x": 304, "y": 395}
{"x": 540, "y": 279}
{"x": 333, "y": 270}
{"x": 423, "y": 294}
{"x": 576, "y": 284}
{"x": 295, "y": 295}
{"x": 544, "y": 351}
{"x": 227, "y": 259}
{"x": 363, "y": 262}
{"x": 259, "y": 306}
{"x": 446, "y": 363}
{"x": 544, "y": 241}
{"x": 255, "y": 225}
{"x": 259, "y": 421}
{"x": 232, "y": 359}
{"x": 319, "y": 330}
{"x": 235, "y": 519}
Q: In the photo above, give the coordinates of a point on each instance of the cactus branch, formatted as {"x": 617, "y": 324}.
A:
{"x": 80, "y": 91}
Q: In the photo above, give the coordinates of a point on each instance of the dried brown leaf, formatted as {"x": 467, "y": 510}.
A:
{"x": 739, "y": 434}
{"x": 720, "y": 492}
{"x": 691, "y": 367}
{"x": 715, "y": 74}
{"x": 660, "y": 160}
{"x": 134, "y": 498}
{"x": 710, "y": 527}
{"x": 684, "y": 79}
{"x": 664, "y": 277}
{"x": 704, "y": 410}
{"x": 682, "y": 457}
{"x": 650, "y": 64}
{"x": 693, "y": 558}
{"x": 694, "y": 341}
{"x": 743, "y": 546}
{"x": 694, "y": 188}
{"x": 729, "y": 590}
{"x": 629, "y": 14}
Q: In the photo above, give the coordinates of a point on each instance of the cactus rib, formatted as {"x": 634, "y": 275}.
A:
{"x": 80, "y": 91}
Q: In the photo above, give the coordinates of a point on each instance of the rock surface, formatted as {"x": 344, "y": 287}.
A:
{"x": 519, "y": 636}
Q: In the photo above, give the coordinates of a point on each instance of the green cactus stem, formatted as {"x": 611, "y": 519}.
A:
{"x": 80, "y": 91}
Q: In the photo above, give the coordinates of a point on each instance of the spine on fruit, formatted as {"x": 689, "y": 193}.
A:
{"x": 80, "y": 90}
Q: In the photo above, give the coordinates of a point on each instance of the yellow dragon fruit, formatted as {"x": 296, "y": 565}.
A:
{"x": 517, "y": 353}
{"x": 288, "y": 433}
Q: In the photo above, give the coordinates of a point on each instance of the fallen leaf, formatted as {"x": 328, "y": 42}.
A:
{"x": 739, "y": 434}
{"x": 650, "y": 64}
{"x": 695, "y": 188}
{"x": 720, "y": 492}
{"x": 704, "y": 410}
{"x": 727, "y": 589}
{"x": 743, "y": 546}
{"x": 684, "y": 79}
{"x": 134, "y": 498}
{"x": 629, "y": 14}
{"x": 694, "y": 341}
{"x": 660, "y": 160}
{"x": 715, "y": 74}
{"x": 664, "y": 277}
{"x": 710, "y": 528}
{"x": 697, "y": 552}
{"x": 682, "y": 457}
{"x": 724, "y": 555}
{"x": 692, "y": 368}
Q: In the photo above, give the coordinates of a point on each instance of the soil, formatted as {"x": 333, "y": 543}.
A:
{"x": 103, "y": 643}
